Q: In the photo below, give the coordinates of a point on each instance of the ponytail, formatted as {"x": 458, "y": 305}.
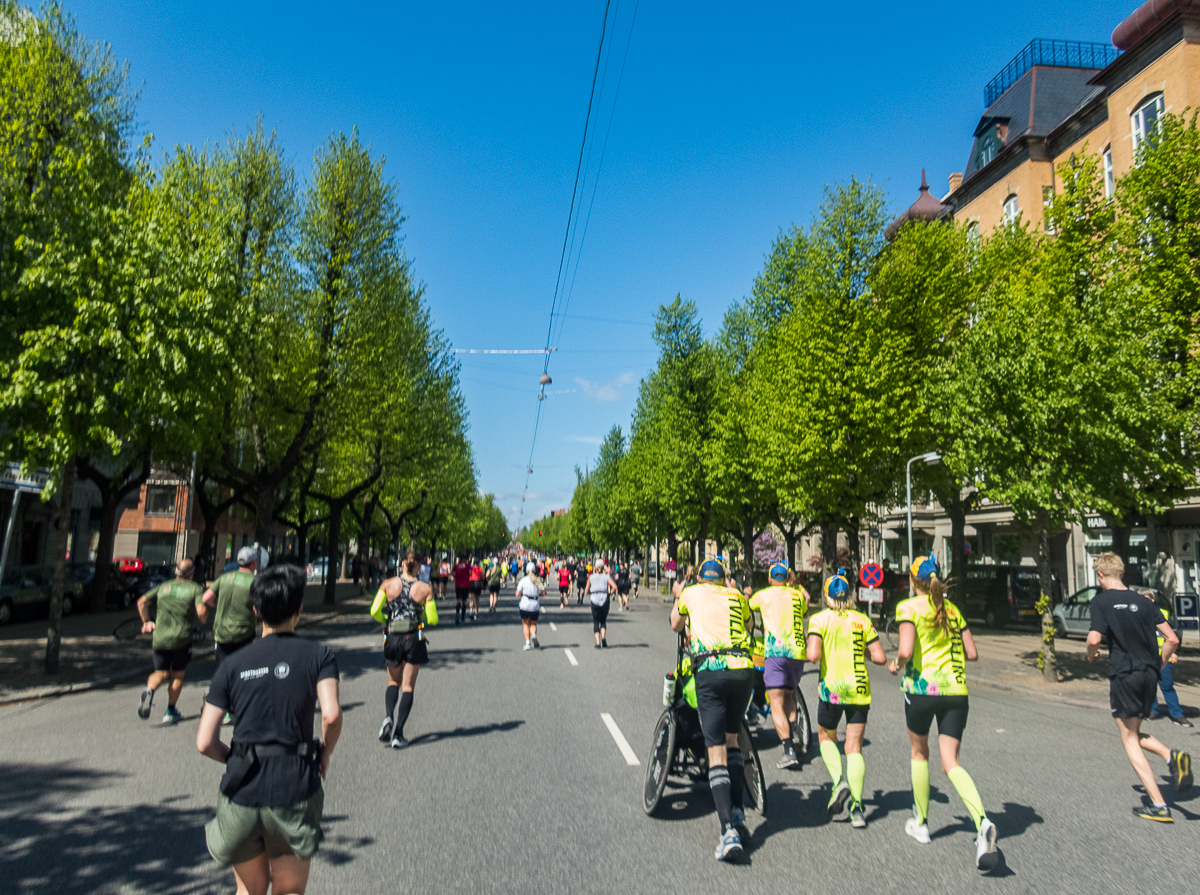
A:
{"x": 935, "y": 589}
{"x": 411, "y": 564}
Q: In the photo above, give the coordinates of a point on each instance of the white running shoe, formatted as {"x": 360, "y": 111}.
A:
{"x": 729, "y": 846}
{"x": 986, "y": 856}
{"x": 839, "y": 799}
{"x": 917, "y": 830}
{"x": 385, "y": 730}
{"x": 527, "y": 646}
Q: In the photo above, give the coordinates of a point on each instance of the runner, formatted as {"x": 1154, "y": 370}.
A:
{"x": 495, "y": 577}
{"x": 234, "y": 624}
{"x": 1134, "y": 664}
{"x": 635, "y": 575}
{"x": 424, "y": 570}
{"x": 398, "y": 605}
{"x": 268, "y": 821}
{"x": 530, "y": 589}
{"x": 462, "y": 589}
{"x": 721, "y": 623}
{"x": 476, "y": 584}
{"x": 600, "y": 589}
{"x": 624, "y": 583}
{"x": 935, "y": 637}
{"x": 581, "y": 581}
{"x": 443, "y": 576}
{"x": 840, "y": 638}
{"x": 564, "y": 586}
{"x": 172, "y": 644}
{"x": 783, "y": 607}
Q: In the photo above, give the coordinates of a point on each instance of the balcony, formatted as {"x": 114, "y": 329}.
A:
{"x": 1059, "y": 53}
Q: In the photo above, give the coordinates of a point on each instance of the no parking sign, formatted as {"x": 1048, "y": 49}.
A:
{"x": 871, "y": 575}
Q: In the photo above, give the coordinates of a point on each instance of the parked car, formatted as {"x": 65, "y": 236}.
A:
{"x": 151, "y": 577}
{"x": 120, "y": 588}
{"x": 316, "y": 568}
{"x": 1074, "y": 614}
{"x": 25, "y": 592}
{"x": 997, "y": 595}
{"x": 129, "y": 565}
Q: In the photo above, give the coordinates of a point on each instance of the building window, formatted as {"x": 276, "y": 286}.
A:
{"x": 1109, "y": 183}
{"x": 160, "y": 500}
{"x": 1047, "y": 201}
{"x": 1145, "y": 120}
{"x": 1010, "y": 209}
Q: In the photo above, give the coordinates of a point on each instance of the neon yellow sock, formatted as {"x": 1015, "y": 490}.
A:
{"x": 856, "y": 774}
{"x": 833, "y": 761}
{"x": 920, "y": 782}
{"x": 968, "y": 793}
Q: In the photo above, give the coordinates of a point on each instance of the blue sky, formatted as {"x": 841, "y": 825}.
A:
{"x": 730, "y": 120}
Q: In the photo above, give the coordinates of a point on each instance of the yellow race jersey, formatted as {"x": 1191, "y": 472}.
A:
{"x": 783, "y": 610}
{"x": 719, "y": 618}
{"x": 938, "y": 666}
{"x": 845, "y": 635}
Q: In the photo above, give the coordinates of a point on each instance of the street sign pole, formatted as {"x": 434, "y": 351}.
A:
{"x": 8, "y": 530}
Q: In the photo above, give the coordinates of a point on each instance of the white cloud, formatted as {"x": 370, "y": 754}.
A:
{"x": 585, "y": 439}
{"x": 609, "y": 391}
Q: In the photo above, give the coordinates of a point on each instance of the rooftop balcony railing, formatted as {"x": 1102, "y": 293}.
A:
{"x": 1060, "y": 53}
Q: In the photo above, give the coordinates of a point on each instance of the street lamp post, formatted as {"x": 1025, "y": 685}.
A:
{"x": 932, "y": 458}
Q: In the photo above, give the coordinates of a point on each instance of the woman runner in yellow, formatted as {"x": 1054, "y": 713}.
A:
{"x": 935, "y": 645}
{"x": 841, "y": 638}
{"x": 783, "y": 606}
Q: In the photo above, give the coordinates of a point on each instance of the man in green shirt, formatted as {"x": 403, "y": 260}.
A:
{"x": 234, "y": 624}
{"x": 172, "y": 644}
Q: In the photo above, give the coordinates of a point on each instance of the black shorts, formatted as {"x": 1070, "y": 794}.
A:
{"x": 1132, "y": 695}
{"x": 564, "y": 588}
{"x": 529, "y": 615}
{"x": 829, "y": 715}
{"x": 623, "y": 589}
{"x": 721, "y": 699}
{"x": 494, "y": 588}
{"x": 477, "y": 587}
{"x": 950, "y": 711}
{"x": 407, "y": 648}
{"x": 600, "y": 616}
{"x": 172, "y": 659}
{"x": 461, "y": 593}
{"x": 224, "y": 650}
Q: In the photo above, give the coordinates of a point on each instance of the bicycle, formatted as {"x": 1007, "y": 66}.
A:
{"x": 891, "y": 632}
{"x": 678, "y": 744}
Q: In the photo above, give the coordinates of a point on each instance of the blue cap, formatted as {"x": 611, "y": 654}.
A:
{"x": 925, "y": 568}
{"x": 837, "y": 586}
{"x": 779, "y": 571}
{"x": 712, "y": 570}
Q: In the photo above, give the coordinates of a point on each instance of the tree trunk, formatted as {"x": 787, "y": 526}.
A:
{"x": 672, "y": 547}
{"x": 748, "y": 551}
{"x": 854, "y": 545}
{"x": 331, "y": 550}
{"x": 265, "y": 504}
{"x": 104, "y": 551}
{"x": 958, "y": 537}
{"x": 829, "y": 546}
{"x": 1120, "y": 539}
{"x": 1049, "y": 657}
{"x": 62, "y": 528}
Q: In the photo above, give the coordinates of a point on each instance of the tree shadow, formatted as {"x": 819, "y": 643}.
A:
{"x": 461, "y": 732}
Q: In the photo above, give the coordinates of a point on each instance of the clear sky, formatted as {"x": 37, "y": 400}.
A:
{"x": 731, "y": 117}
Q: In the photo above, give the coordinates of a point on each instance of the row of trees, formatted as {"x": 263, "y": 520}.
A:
{"x": 215, "y": 316}
{"x": 1053, "y": 371}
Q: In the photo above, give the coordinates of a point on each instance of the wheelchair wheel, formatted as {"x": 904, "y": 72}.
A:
{"x": 755, "y": 793}
{"x": 662, "y": 757}
{"x": 802, "y": 729}
{"x": 128, "y": 629}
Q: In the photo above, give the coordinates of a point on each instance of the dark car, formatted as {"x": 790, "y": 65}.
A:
{"x": 997, "y": 595}
{"x": 120, "y": 589}
{"x": 150, "y": 577}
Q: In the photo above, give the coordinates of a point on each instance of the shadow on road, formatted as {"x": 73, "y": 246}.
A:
{"x": 460, "y": 732}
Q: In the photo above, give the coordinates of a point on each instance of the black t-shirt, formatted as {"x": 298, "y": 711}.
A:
{"x": 270, "y": 688}
{"x": 1129, "y": 621}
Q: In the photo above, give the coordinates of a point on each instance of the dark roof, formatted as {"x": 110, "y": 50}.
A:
{"x": 926, "y": 208}
{"x": 1042, "y": 99}
{"x": 1147, "y": 17}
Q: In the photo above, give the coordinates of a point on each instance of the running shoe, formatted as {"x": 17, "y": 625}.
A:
{"x": 738, "y": 816}
{"x": 916, "y": 829}
{"x": 385, "y": 730}
{"x": 604, "y": 642}
{"x": 789, "y": 759}
{"x": 1150, "y": 811}
{"x": 1180, "y": 766}
{"x": 986, "y": 856}
{"x": 227, "y": 720}
{"x": 858, "y": 819}
{"x": 729, "y": 846}
{"x": 597, "y": 646}
{"x": 837, "y": 801}
{"x": 399, "y": 743}
{"x": 1182, "y": 722}
{"x": 536, "y": 643}
{"x": 144, "y": 705}
{"x": 527, "y": 646}
{"x": 171, "y": 715}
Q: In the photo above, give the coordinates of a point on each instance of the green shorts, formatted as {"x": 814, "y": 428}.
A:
{"x": 238, "y": 834}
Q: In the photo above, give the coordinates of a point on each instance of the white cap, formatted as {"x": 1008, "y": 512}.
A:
{"x": 529, "y": 567}
{"x": 246, "y": 556}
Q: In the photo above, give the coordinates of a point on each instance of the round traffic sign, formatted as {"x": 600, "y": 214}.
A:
{"x": 871, "y": 575}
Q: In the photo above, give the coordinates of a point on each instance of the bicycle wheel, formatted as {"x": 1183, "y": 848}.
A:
{"x": 892, "y": 632}
{"x": 802, "y": 729}
{"x": 755, "y": 793}
{"x": 128, "y": 629}
{"x": 662, "y": 757}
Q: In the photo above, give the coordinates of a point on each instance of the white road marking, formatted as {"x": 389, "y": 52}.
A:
{"x": 622, "y": 743}
{"x": 571, "y": 657}
{"x": 553, "y": 627}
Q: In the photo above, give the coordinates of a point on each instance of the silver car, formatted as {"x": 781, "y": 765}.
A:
{"x": 1074, "y": 614}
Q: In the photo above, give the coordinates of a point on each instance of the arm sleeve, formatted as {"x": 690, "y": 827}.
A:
{"x": 218, "y": 688}
{"x": 377, "y": 606}
{"x": 871, "y": 634}
{"x": 1099, "y": 620}
{"x": 327, "y": 665}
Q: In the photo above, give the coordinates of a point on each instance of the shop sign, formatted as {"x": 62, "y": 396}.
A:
{"x": 11, "y": 479}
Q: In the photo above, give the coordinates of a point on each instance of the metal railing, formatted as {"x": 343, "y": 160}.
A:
{"x": 1060, "y": 53}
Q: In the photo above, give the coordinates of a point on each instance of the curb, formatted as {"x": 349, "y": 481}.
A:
{"x": 1037, "y": 694}
{"x": 11, "y": 698}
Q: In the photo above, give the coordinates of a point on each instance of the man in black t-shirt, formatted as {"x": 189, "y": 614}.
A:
{"x": 268, "y": 821}
{"x": 1132, "y": 626}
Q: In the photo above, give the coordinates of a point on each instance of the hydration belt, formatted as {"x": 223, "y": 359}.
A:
{"x": 699, "y": 659}
{"x": 243, "y": 758}
{"x": 396, "y": 627}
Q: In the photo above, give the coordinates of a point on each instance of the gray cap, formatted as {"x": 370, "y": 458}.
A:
{"x": 247, "y": 556}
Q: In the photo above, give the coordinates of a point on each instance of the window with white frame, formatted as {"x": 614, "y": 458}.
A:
{"x": 1144, "y": 121}
{"x": 1110, "y": 184}
{"x": 1010, "y": 209}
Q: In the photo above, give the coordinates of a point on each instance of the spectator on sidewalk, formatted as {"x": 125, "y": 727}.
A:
{"x": 1134, "y": 662}
{"x": 1166, "y": 678}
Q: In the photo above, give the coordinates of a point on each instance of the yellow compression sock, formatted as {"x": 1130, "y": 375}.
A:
{"x": 968, "y": 793}
{"x": 856, "y": 774}
{"x": 833, "y": 760}
{"x": 920, "y": 786}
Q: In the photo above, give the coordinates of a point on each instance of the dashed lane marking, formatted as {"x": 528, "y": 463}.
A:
{"x": 571, "y": 657}
{"x": 553, "y": 627}
{"x": 622, "y": 743}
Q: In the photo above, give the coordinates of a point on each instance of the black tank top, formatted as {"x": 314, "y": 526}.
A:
{"x": 403, "y": 613}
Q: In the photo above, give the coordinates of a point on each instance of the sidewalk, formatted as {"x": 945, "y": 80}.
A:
{"x": 91, "y": 658}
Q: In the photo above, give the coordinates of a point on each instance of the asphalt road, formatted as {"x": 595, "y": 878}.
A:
{"x": 514, "y": 783}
